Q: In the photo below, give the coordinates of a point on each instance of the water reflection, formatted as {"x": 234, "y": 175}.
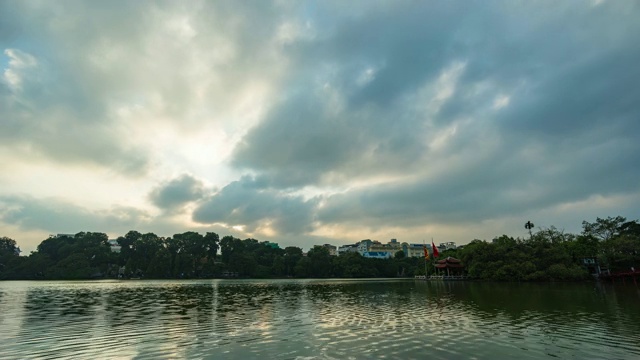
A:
{"x": 317, "y": 319}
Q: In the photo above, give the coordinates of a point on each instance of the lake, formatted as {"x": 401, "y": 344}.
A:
{"x": 318, "y": 319}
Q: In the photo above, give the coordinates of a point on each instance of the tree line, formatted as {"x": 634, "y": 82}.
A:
{"x": 548, "y": 254}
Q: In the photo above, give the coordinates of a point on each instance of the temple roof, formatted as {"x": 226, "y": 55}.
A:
{"x": 449, "y": 260}
{"x": 443, "y": 266}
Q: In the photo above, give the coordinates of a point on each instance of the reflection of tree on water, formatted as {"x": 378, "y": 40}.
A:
{"x": 169, "y": 301}
{"x": 54, "y": 304}
{"x": 322, "y": 318}
{"x": 60, "y": 316}
{"x": 165, "y": 314}
{"x": 551, "y": 309}
{"x": 261, "y": 316}
{"x": 513, "y": 299}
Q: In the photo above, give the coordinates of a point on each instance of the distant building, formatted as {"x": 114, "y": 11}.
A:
{"x": 378, "y": 254}
{"x": 416, "y": 250}
{"x": 390, "y": 249}
{"x": 447, "y": 246}
{"x": 63, "y": 235}
{"x": 332, "y": 249}
{"x": 363, "y": 246}
{"x": 272, "y": 245}
{"x": 375, "y": 249}
{"x": 347, "y": 249}
{"x": 114, "y": 246}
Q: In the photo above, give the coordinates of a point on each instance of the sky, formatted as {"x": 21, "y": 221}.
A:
{"x": 304, "y": 122}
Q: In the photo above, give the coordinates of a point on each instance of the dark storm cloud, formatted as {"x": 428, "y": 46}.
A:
{"x": 472, "y": 193}
{"x": 372, "y": 128}
{"x": 598, "y": 93}
{"x": 545, "y": 111}
{"x": 242, "y": 203}
{"x": 177, "y": 192}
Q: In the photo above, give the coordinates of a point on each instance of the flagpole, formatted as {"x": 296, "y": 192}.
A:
{"x": 434, "y": 256}
{"x": 424, "y": 243}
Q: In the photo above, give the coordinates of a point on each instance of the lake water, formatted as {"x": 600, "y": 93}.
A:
{"x": 318, "y": 319}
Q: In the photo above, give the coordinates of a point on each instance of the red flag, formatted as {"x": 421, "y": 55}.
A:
{"x": 426, "y": 252}
{"x": 435, "y": 250}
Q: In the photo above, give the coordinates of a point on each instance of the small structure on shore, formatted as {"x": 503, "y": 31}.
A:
{"x": 449, "y": 267}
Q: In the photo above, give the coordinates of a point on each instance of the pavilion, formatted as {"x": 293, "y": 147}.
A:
{"x": 452, "y": 266}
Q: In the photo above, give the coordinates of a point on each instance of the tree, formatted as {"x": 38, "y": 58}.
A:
{"x": 126, "y": 244}
{"x": 622, "y": 252}
{"x": 211, "y": 241}
{"x": 278, "y": 267}
{"x": 353, "y": 265}
{"x": 8, "y": 247}
{"x": 529, "y": 225}
{"x": 631, "y": 228}
{"x": 320, "y": 261}
{"x": 604, "y": 229}
{"x": 173, "y": 246}
{"x": 303, "y": 267}
{"x": 145, "y": 250}
{"x": 292, "y": 254}
{"x": 226, "y": 248}
{"x": 75, "y": 266}
{"x": 96, "y": 249}
{"x": 195, "y": 250}
{"x": 8, "y": 252}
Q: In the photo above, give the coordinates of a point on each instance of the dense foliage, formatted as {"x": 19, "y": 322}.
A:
{"x": 548, "y": 254}
{"x": 551, "y": 254}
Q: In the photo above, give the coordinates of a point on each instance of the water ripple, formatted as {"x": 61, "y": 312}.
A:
{"x": 307, "y": 319}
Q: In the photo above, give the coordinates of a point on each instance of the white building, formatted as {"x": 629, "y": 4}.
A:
{"x": 416, "y": 250}
{"x": 113, "y": 244}
{"x": 347, "y": 249}
{"x": 332, "y": 249}
{"x": 363, "y": 246}
{"x": 378, "y": 254}
{"x": 447, "y": 246}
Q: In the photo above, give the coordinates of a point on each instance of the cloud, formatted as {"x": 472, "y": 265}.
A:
{"x": 244, "y": 204}
{"x": 58, "y": 216}
{"x": 418, "y": 115}
{"x": 56, "y": 122}
{"x": 314, "y": 138}
{"x": 317, "y": 118}
{"x": 103, "y": 85}
{"x": 177, "y": 192}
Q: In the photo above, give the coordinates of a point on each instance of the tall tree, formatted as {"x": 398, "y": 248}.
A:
{"x": 212, "y": 241}
{"x": 320, "y": 261}
{"x": 604, "y": 229}
{"x": 9, "y": 250}
{"x": 227, "y": 248}
{"x": 145, "y": 250}
{"x": 292, "y": 254}
{"x": 8, "y": 247}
